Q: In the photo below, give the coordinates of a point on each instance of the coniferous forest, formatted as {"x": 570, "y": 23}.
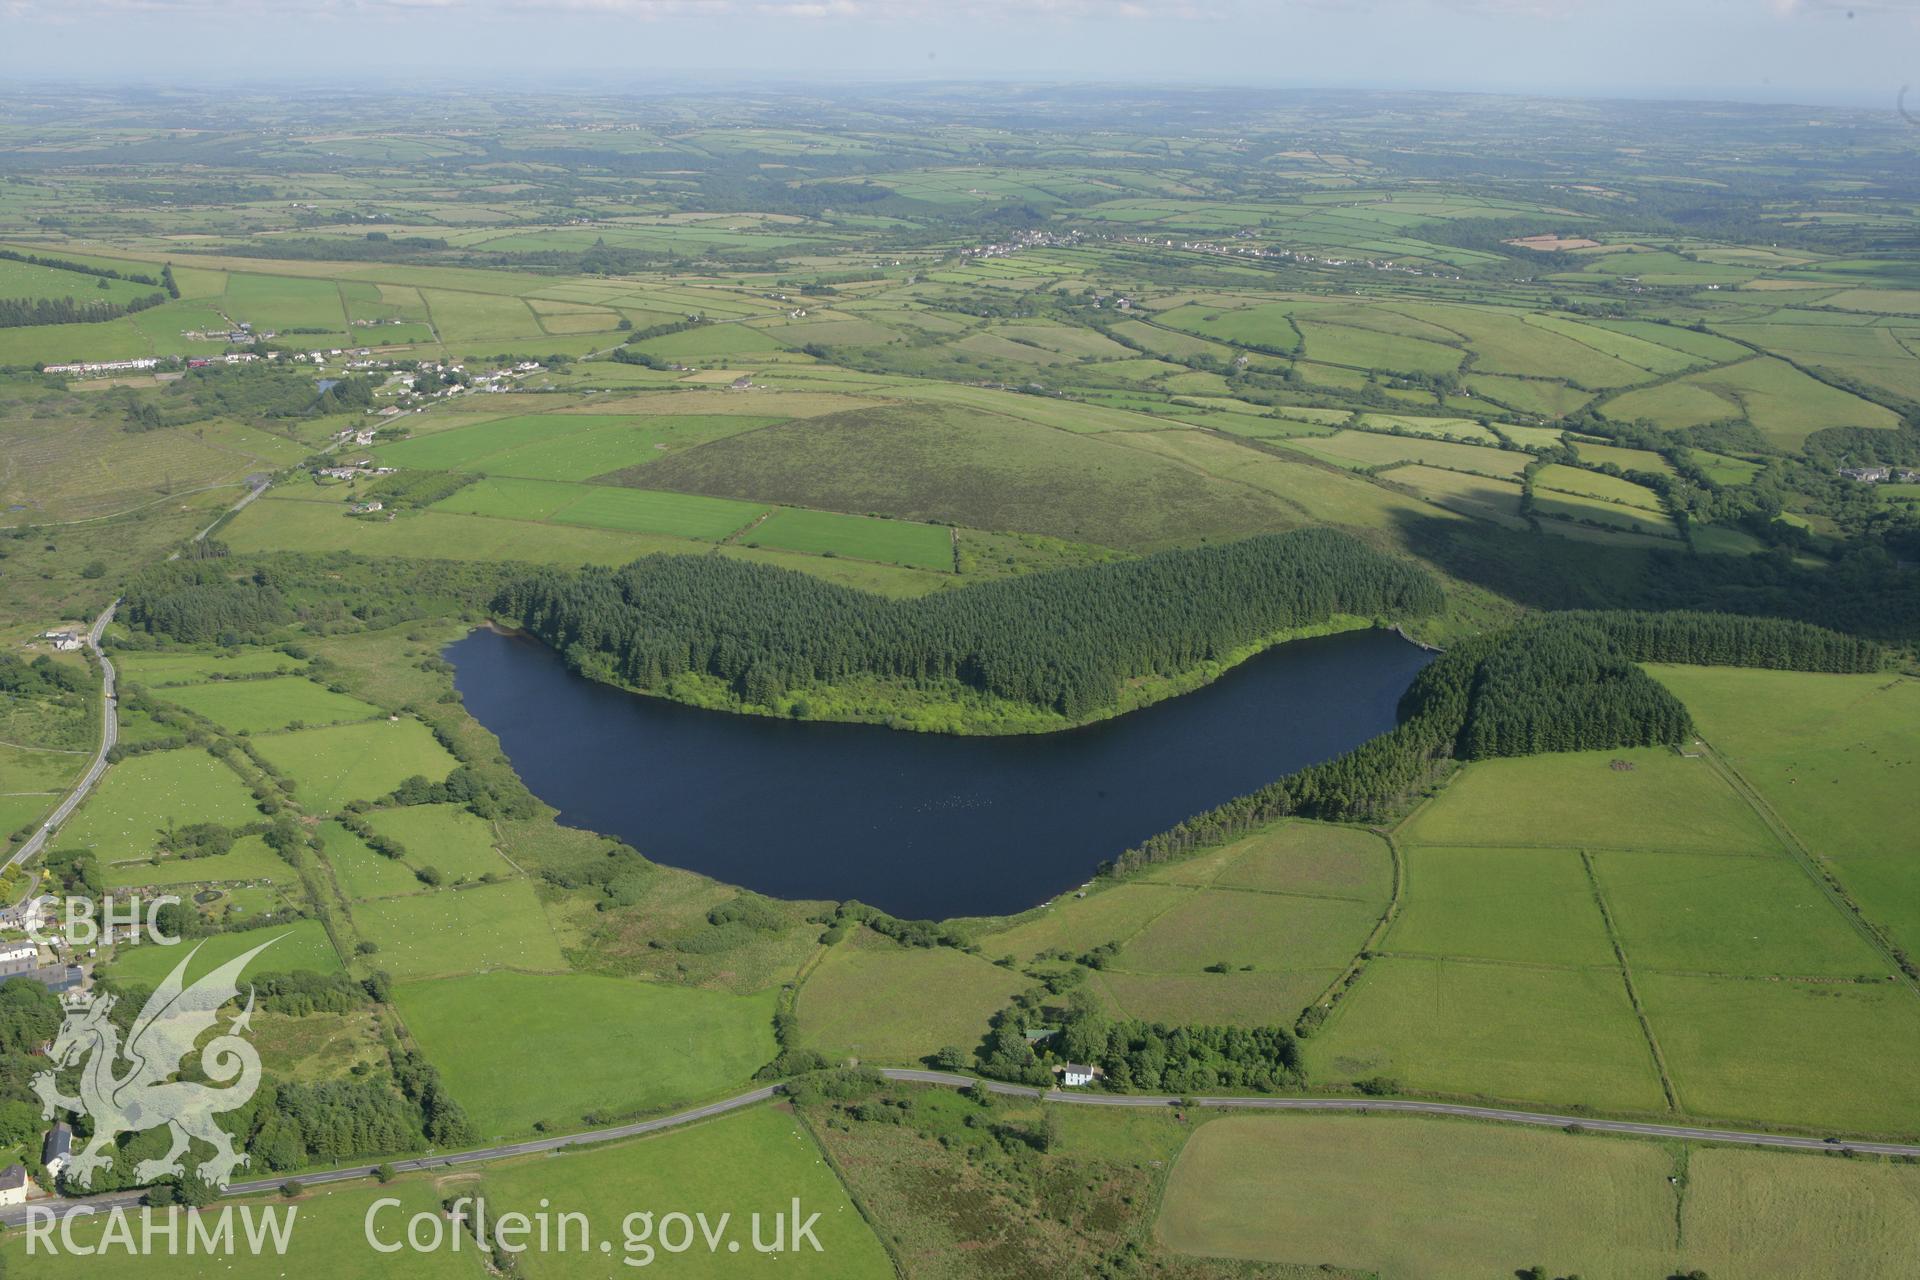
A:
{"x": 1064, "y": 641}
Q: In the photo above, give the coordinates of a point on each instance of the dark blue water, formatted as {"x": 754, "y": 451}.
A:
{"x": 921, "y": 825}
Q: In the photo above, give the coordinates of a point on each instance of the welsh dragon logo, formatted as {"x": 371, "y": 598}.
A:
{"x": 143, "y": 1095}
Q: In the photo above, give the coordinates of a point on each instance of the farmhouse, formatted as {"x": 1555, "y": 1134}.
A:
{"x": 742, "y": 383}
{"x": 64, "y": 641}
{"x": 1075, "y": 1074}
{"x": 57, "y": 1151}
{"x": 1865, "y": 475}
{"x": 13, "y": 1185}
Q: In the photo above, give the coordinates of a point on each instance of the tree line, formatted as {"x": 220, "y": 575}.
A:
{"x": 1065, "y": 640}
{"x": 22, "y": 313}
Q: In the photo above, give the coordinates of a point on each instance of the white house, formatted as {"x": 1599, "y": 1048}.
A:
{"x": 1075, "y": 1074}
{"x": 13, "y": 1185}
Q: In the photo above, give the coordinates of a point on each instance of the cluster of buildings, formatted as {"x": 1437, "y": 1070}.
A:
{"x": 65, "y": 641}
{"x": 1250, "y": 249}
{"x": 232, "y": 357}
{"x": 1880, "y": 475}
{"x": 1024, "y": 240}
{"x": 353, "y": 470}
{"x": 95, "y": 368}
{"x": 22, "y": 960}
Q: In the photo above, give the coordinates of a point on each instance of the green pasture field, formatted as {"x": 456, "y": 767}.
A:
{"x": 564, "y": 446}
{"x": 359, "y": 871}
{"x": 135, "y": 800}
{"x": 1543, "y": 397}
{"x": 1706, "y": 347}
{"x": 462, "y": 317}
{"x": 167, "y": 667}
{"x": 1785, "y": 405}
{"x": 1505, "y": 342}
{"x": 426, "y": 935}
{"x": 754, "y": 1161}
{"x": 1578, "y": 507}
{"x": 924, "y": 546}
{"x": 1264, "y": 930}
{"x": 23, "y": 808}
{"x": 1077, "y": 925}
{"x": 1534, "y": 437}
{"x": 1372, "y": 349}
{"x": 1595, "y": 484}
{"x": 1673, "y": 405}
{"x": 287, "y": 302}
{"x": 1263, "y": 998}
{"x": 463, "y": 448}
{"x": 1654, "y": 357}
{"x": 1563, "y": 1037}
{"x": 1759, "y": 916}
{"x": 260, "y": 706}
{"x": 1468, "y": 495}
{"x": 875, "y": 999}
{"x": 270, "y": 525}
{"x": 249, "y": 859}
{"x": 356, "y": 761}
{"x": 1420, "y": 1199}
{"x": 1807, "y": 1054}
{"x": 1713, "y": 539}
{"x": 328, "y": 1239}
{"x": 1283, "y": 1190}
{"x": 1465, "y": 430}
{"x": 1367, "y": 449}
{"x": 1575, "y": 799}
{"x": 711, "y": 342}
{"x": 1723, "y": 470}
{"x": 27, "y": 770}
{"x": 1837, "y": 757}
{"x": 1530, "y": 905}
{"x": 1752, "y": 1213}
{"x": 655, "y": 511}
{"x": 445, "y": 837}
{"x": 1295, "y": 857}
{"x": 509, "y": 498}
{"x": 1868, "y": 353}
{"x": 301, "y": 945}
{"x": 517, "y": 1048}
{"x": 1168, "y": 343}
{"x": 1625, "y": 459}
{"x": 25, "y": 280}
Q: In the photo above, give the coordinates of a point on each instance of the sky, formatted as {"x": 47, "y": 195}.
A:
{"x": 1807, "y": 51}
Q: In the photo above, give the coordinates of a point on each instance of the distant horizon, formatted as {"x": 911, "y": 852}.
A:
{"x": 1811, "y": 53}
{"x": 585, "y": 82}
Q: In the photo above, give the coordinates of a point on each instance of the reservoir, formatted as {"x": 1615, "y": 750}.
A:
{"x": 921, "y": 825}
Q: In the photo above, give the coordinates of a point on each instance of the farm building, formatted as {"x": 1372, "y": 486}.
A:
{"x": 57, "y": 1151}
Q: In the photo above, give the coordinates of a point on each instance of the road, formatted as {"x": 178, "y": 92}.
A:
{"x": 1375, "y": 1105}
{"x": 14, "y": 1215}
{"x": 109, "y": 733}
{"x": 109, "y": 722}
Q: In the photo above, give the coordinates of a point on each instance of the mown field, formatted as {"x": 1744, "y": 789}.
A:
{"x": 1385, "y": 1196}
{"x": 521, "y": 1049}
